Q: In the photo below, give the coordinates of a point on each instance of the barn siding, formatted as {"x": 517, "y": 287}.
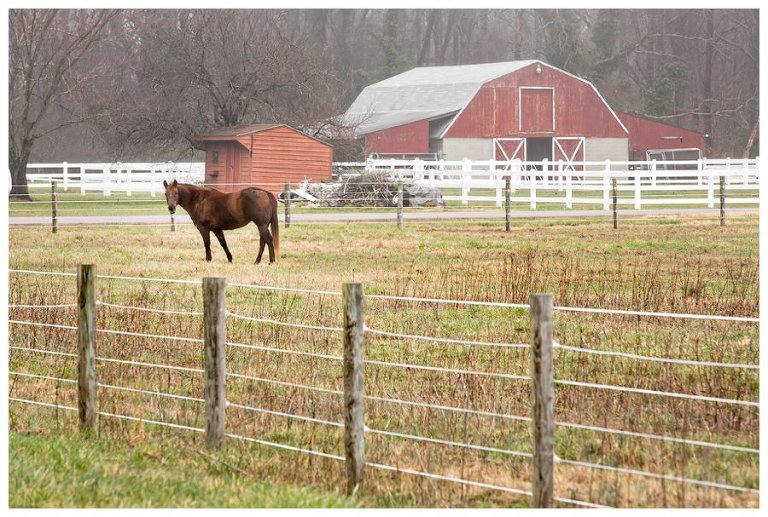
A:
{"x": 614, "y": 149}
{"x": 408, "y": 138}
{"x": 579, "y": 110}
{"x": 469, "y": 148}
{"x": 647, "y": 134}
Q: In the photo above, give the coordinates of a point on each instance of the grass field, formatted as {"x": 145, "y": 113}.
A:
{"x": 688, "y": 265}
{"x": 71, "y": 203}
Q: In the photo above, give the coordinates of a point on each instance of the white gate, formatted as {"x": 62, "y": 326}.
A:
{"x": 569, "y": 149}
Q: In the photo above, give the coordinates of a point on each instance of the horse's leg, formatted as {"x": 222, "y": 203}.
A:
{"x": 220, "y": 235}
{"x": 206, "y": 241}
{"x": 265, "y": 239}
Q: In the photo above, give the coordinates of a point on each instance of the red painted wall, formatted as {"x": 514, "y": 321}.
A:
{"x": 494, "y": 112}
{"x": 645, "y": 134}
{"x": 280, "y": 155}
{"x": 408, "y": 138}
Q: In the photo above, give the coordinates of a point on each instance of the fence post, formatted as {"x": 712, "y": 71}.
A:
{"x": 86, "y": 346}
{"x": 400, "y": 204}
{"x": 722, "y": 200}
{"x": 638, "y": 206}
{"x": 508, "y": 202}
{"x": 153, "y": 182}
{"x": 354, "y": 430}
{"x": 569, "y": 190}
{"x": 532, "y": 188}
{"x": 466, "y": 170}
{"x": 542, "y": 423}
{"x": 606, "y": 177}
{"x": 107, "y": 188}
{"x": 128, "y": 182}
{"x": 214, "y": 333}
{"x": 82, "y": 180}
{"x": 65, "y": 175}
{"x": 746, "y": 171}
{"x": 287, "y": 204}
{"x": 53, "y": 207}
{"x": 615, "y": 205}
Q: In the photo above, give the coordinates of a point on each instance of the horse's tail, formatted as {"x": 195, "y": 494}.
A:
{"x": 275, "y": 226}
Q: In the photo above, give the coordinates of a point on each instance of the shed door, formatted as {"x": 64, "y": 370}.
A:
{"x": 537, "y": 110}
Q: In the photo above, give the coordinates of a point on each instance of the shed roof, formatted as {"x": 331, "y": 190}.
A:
{"x": 223, "y": 134}
{"x": 423, "y": 93}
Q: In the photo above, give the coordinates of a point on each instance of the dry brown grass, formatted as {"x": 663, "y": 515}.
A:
{"x": 683, "y": 266}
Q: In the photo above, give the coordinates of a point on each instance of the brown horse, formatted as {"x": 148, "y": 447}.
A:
{"x": 215, "y": 211}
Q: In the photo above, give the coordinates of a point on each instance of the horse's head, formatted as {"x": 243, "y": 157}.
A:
{"x": 171, "y": 195}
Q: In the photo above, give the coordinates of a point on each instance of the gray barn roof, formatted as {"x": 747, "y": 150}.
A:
{"x": 423, "y": 93}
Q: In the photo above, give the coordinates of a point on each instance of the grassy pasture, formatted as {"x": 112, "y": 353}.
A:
{"x": 684, "y": 264}
{"x": 71, "y": 203}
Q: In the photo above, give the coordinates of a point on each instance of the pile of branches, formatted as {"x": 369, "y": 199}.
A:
{"x": 368, "y": 189}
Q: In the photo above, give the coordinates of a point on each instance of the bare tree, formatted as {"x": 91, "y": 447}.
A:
{"x": 47, "y": 51}
{"x": 199, "y": 70}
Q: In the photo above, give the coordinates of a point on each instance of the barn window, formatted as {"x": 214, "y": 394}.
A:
{"x": 215, "y": 157}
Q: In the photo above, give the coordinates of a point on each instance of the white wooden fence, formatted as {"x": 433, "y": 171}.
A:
{"x": 649, "y": 182}
{"x": 113, "y": 177}
{"x": 639, "y": 184}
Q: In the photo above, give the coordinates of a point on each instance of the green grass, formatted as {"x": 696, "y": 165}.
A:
{"x": 72, "y": 471}
{"x": 71, "y": 203}
{"x": 678, "y": 264}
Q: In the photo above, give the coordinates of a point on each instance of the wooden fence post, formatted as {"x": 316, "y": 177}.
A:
{"x": 53, "y": 207}
{"x": 615, "y": 205}
{"x": 214, "y": 330}
{"x": 287, "y": 204}
{"x": 542, "y": 423}
{"x": 354, "y": 430}
{"x": 722, "y": 200}
{"x": 86, "y": 346}
{"x": 400, "y": 205}
{"x": 508, "y": 202}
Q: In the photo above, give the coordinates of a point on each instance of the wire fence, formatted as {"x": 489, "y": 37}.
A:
{"x": 26, "y": 345}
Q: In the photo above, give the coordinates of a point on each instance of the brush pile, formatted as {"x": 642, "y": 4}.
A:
{"x": 372, "y": 189}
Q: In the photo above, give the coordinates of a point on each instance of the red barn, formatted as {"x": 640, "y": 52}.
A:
{"x": 519, "y": 109}
{"x": 263, "y": 155}
{"x": 647, "y": 138}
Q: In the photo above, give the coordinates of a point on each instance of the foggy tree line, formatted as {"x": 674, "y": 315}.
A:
{"x": 136, "y": 85}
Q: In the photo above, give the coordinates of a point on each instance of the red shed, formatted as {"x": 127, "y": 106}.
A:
{"x": 263, "y": 155}
{"x": 518, "y": 109}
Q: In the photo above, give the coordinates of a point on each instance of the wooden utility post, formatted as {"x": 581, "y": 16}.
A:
{"x": 542, "y": 422}
{"x": 214, "y": 334}
{"x": 722, "y": 200}
{"x": 615, "y": 206}
{"x": 53, "y": 207}
{"x": 287, "y": 204}
{"x": 508, "y": 202}
{"x": 86, "y": 346}
{"x": 354, "y": 430}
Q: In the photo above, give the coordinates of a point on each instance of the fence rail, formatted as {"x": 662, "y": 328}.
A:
{"x": 545, "y": 461}
{"x": 107, "y": 178}
{"x": 639, "y": 183}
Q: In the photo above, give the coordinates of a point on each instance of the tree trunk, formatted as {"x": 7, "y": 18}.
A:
{"x": 17, "y": 163}
{"x": 751, "y": 140}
